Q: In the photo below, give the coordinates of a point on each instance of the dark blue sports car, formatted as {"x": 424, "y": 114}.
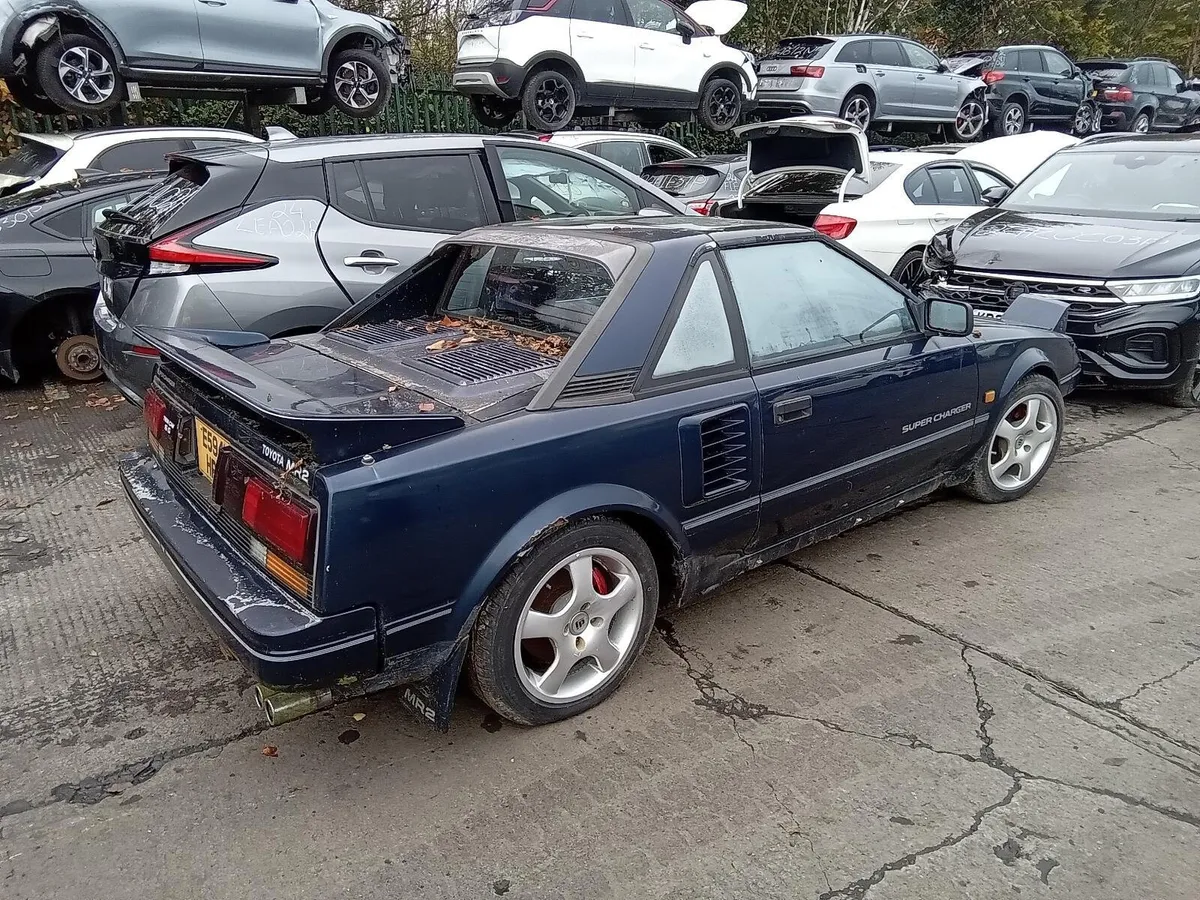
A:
{"x": 508, "y": 459}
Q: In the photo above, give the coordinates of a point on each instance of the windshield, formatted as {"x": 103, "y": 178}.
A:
{"x": 32, "y": 160}
{"x": 534, "y": 290}
{"x": 1139, "y": 184}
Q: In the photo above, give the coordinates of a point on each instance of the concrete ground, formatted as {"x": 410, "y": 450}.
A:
{"x": 960, "y": 701}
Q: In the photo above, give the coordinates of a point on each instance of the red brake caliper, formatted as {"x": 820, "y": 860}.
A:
{"x": 599, "y": 580}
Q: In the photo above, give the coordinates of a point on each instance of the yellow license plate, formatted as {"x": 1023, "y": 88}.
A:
{"x": 209, "y": 442}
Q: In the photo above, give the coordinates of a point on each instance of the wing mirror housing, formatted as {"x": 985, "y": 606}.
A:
{"x": 942, "y": 68}
{"x": 685, "y": 31}
{"x": 949, "y": 317}
{"x": 994, "y": 194}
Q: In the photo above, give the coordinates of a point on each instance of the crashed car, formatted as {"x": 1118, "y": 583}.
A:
{"x": 518, "y": 451}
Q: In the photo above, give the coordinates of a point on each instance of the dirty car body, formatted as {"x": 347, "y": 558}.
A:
{"x": 423, "y": 453}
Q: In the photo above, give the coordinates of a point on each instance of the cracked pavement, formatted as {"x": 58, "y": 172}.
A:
{"x": 959, "y": 701}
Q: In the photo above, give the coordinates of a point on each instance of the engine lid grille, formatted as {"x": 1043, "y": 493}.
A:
{"x": 477, "y": 363}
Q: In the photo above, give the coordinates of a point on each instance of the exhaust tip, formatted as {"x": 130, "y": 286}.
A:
{"x": 281, "y": 706}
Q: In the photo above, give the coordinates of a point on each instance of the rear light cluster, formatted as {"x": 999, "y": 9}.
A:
{"x": 154, "y": 412}
{"x": 1121, "y": 94}
{"x": 704, "y": 207}
{"x": 991, "y": 76}
{"x": 836, "y": 227}
{"x": 808, "y": 71}
{"x": 177, "y": 255}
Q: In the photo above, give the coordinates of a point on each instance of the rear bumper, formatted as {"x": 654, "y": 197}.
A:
{"x": 1116, "y": 118}
{"x": 281, "y": 642}
{"x": 796, "y": 103}
{"x": 500, "y": 78}
{"x": 130, "y": 372}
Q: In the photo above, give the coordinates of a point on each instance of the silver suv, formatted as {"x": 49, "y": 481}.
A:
{"x": 871, "y": 80}
{"x": 86, "y": 56}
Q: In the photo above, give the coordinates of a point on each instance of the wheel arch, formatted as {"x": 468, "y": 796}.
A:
{"x": 1030, "y": 361}
{"x": 348, "y": 37}
{"x": 727, "y": 69}
{"x": 1019, "y": 98}
{"x": 863, "y": 88}
{"x": 552, "y": 59}
{"x": 72, "y": 19}
{"x": 46, "y": 311}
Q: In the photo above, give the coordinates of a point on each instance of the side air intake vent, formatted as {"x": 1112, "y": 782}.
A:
{"x": 725, "y": 448}
{"x": 596, "y": 387}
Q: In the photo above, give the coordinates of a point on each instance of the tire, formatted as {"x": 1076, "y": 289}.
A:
{"x": 902, "y": 270}
{"x": 720, "y": 105}
{"x": 1186, "y": 393}
{"x": 25, "y": 95}
{"x": 493, "y": 112}
{"x": 511, "y": 680}
{"x": 1010, "y": 121}
{"x": 78, "y": 358}
{"x": 1081, "y": 126}
{"x": 1028, "y": 433}
{"x": 853, "y": 109}
{"x": 77, "y": 73}
{"x": 357, "y": 83}
{"x": 969, "y": 123}
{"x": 1141, "y": 123}
{"x": 548, "y": 100}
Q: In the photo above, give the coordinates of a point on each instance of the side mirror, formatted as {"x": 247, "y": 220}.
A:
{"x": 1193, "y": 85}
{"x": 994, "y": 194}
{"x": 685, "y": 31}
{"x": 949, "y": 317}
{"x": 942, "y": 68}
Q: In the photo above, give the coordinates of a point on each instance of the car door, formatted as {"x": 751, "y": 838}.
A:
{"x": 1173, "y": 105}
{"x": 388, "y": 212}
{"x": 260, "y": 36}
{"x": 154, "y": 34}
{"x": 1064, "y": 83}
{"x": 935, "y": 95}
{"x": 895, "y": 80}
{"x": 603, "y": 45}
{"x": 955, "y": 192}
{"x": 1031, "y": 73}
{"x": 858, "y": 404}
{"x": 665, "y": 66}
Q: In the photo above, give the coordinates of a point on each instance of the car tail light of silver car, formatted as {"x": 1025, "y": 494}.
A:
{"x": 177, "y": 255}
{"x": 808, "y": 71}
{"x": 836, "y": 227}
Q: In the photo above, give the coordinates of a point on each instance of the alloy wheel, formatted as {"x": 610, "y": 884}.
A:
{"x": 858, "y": 112}
{"x": 1196, "y": 385}
{"x": 1141, "y": 125}
{"x": 553, "y": 99}
{"x": 969, "y": 121}
{"x": 1083, "y": 119}
{"x": 356, "y": 84}
{"x": 1023, "y": 442}
{"x": 910, "y": 273}
{"x": 1014, "y": 120}
{"x": 579, "y": 625}
{"x": 723, "y": 105}
{"x": 86, "y": 75}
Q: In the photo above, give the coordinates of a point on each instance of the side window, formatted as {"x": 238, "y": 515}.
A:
{"x": 428, "y": 192}
{"x": 68, "y": 223}
{"x": 920, "y": 189}
{"x": 661, "y": 153}
{"x": 609, "y": 12}
{"x": 1056, "y": 63}
{"x": 1140, "y": 76}
{"x": 138, "y": 156}
{"x": 953, "y": 186}
{"x": 920, "y": 58}
{"x": 855, "y": 52}
{"x": 652, "y": 14}
{"x": 544, "y": 184}
{"x": 700, "y": 338}
{"x": 1029, "y": 61}
{"x": 626, "y": 154}
{"x": 887, "y": 53}
{"x": 1174, "y": 79}
{"x": 986, "y": 179}
{"x": 806, "y": 298}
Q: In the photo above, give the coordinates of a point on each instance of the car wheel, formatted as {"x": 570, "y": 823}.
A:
{"x": 1084, "y": 116}
{"x": 23, "y": 92}
{"x": 968, "y": 124}
{"x": 1010, "y": 121}
{"x": 563, "y": 628}
{"x": 857, "y": 109}
{"x": 1021, "y": 446}
{"x": 78, "y": 358}
{"x": 77, "y": 73}
{"x": 358, "y": 83}
{"x": 1141, "y": 123}
{"x": 910, "y": 270}
{"x": 1186, "y": 393}
{"x": 548, "y": 100}
{"x": 493, "y": 112}
{"x": 720, "y": 105}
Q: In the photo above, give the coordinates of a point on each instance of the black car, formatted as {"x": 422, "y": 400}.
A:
{"x": 48, "y": 279}
{"x": 1113, "y": 226}
{"x": 1028, "y": 85}
{"x": 700, "y": 183}
{"x": 1141, "y": 94}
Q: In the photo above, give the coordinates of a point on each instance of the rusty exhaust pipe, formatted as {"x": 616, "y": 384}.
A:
{"x": 287, "y": 706}
{"x": 261, "y": 693}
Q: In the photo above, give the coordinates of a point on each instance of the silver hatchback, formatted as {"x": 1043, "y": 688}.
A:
{"x": 881, "y": 81}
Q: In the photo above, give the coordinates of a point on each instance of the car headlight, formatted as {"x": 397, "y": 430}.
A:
{"x": 1155, "y": 290}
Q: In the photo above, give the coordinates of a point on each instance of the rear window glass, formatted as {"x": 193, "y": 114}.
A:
{"x": 1104, "y": 70}
{"x": 966, "y": 58}
{"x": 803, "y": 182}
{"x": 142, "y": 218}
{"x": 800, "y": 48}
{"x": 684, "y": 181}
{"x": 32, "y": 159}
{"x": 531, "y": 289}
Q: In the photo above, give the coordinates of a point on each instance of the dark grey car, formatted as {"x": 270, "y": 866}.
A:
{"x": 702, "y": 182}
{"x": 279, "y": 238}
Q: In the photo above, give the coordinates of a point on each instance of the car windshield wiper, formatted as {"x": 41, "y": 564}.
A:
{"x": 115, "y": 215}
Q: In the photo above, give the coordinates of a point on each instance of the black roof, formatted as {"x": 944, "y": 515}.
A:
{"x": 79, "y": 188}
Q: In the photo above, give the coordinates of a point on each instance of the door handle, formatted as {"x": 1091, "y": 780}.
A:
{"x": 920, "y": 78}
{"x": 586, "y": 37}
{"x": 790, "y": 408}
{"x": 367, "y": 262}
{"x": 645, "y": 46}
{"x": 881, "y": 74}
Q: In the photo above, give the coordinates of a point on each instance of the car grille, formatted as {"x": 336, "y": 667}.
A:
{"x": 1089, "y": 298}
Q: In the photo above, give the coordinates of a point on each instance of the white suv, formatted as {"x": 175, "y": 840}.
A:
{"x": 555, "y": 59}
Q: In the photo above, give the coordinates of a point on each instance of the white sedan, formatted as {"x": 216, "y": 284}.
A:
{"x": 915, "y": 194}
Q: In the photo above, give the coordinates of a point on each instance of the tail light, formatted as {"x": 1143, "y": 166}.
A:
{"x": 283, "y": 525}
{"x": 544, "y": 138}
{"x": 991, "y": 76}
{"x": 704, "y": 207}
{"x": 836, "y": 227}
{"x": 808, "y": 71}
{"x": 176, "y": 254}
{"x": 141, "y": 350}
{"x": 1120, "y": 94}
{"x": 154, "y": 411}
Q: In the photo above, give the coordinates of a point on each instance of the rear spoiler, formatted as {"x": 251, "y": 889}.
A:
{"x": 333, "y": 435}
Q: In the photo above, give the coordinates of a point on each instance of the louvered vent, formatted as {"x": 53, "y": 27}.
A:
{"x": 593, "y": 387}
{"x": 725, "y": 446}
{"x": 367, "y": 336}
{"x": 476, "y": 363}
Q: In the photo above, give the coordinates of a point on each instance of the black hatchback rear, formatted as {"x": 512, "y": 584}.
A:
{"x": 702, "y": 182}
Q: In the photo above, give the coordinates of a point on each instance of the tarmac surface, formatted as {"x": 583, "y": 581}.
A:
{"x": 959, "y": 701}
